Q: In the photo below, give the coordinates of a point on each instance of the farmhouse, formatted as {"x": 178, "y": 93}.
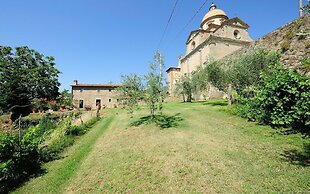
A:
{"x": 89, "y": 95}
{"x": 217, "y": 37}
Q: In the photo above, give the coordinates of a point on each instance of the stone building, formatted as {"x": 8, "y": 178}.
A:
{"x": 89, "y": 95}
{"x": 173, "y": 77}
{"x": 217, "y": 37}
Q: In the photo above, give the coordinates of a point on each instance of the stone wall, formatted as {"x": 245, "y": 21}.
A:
{"x": 291, "y": 40}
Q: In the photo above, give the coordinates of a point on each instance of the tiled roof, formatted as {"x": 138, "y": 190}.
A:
{"x": 96, "y": 85}
{"x": 173, "y": 68}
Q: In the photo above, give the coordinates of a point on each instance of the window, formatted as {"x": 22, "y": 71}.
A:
{"x": 193, "y": 45}
{"x": 110, "y": 100}
{"x": 81, "y": 104}
{"x": 237, "y": 34}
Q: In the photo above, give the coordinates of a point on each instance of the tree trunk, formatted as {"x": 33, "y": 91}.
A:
{"x": 229, "y": 94}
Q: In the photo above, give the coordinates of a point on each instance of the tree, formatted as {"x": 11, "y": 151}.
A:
{"x": 131, "y": 91}
{"x": 240, "y": 73}
{"x": 135, "y": 89}
{"x": 185, "y": 88}
{"x": 25, "y": 74}
{"x": 154, "y": 86}
{"x": 65, "y": 99}
{"x": 247, "y": 67}
{"x": 199, "y": 81}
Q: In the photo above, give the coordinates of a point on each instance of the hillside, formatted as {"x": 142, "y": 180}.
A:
{"x": 210, "y": 151}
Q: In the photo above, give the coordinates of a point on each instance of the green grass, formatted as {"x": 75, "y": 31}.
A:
{"x": 59, "y": 172}
{"x": 209, "y": 151}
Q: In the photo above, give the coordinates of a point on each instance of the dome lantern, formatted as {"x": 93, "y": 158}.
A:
{"x": 214, "y": 16}
{"x": 213, "y": 6}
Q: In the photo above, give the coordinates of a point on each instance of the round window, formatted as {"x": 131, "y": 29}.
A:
{"x": 237, "y": 34}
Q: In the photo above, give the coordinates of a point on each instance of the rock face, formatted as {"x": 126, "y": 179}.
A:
{"x": 291, "y": 40}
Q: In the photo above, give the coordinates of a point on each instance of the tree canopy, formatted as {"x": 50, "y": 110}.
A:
{"x": 148, "y": 89}
{"x": 26, "y": 74}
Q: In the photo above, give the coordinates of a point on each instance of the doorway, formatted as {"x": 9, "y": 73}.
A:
{"x": 98, "y": 102}
{"x": 81, "y": 104}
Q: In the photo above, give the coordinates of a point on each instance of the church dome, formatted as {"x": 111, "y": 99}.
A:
{"x": 213, "y": 13}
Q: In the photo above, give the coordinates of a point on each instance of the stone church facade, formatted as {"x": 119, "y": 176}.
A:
{"x": 217, "y": 37}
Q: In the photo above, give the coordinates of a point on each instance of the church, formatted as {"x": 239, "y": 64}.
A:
{"x": 217, "y": 37}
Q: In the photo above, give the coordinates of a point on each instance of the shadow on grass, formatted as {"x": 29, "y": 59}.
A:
{"x": 297, "y": 157}
{"x": 11, "y": 186}
{"x": 305, "y": 131}
{"x": 163, "y": 121}
{"x": 216, "y": 102}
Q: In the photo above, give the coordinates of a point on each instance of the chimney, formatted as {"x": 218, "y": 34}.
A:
{"x": 75, "y": 82}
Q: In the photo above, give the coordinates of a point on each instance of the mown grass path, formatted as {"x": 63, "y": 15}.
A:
{"x": 59, "y": 172}
{"x": 210, "y": 151}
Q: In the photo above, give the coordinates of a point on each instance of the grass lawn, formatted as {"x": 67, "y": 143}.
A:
{"x": 210, "y": 151}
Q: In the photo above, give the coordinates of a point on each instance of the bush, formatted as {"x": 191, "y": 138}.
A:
{"x": 62, "y": 137}
{"x": 285, "y": 45}
{"x": 22, "y": 154}
{"x": 51, "y": 152}
{"x": 18, "y": 160}
{"x": 281, "y": 100}
{"x": 78, "y": 130}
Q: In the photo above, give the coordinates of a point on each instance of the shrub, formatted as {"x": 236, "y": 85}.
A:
{"x": 21, "y": 154}
{"x": 285, "y": 45}
{"x": 62, "y": 137}
{"x": 52, "y": 151}
{"x": 78, "y": 130}
{"x": 18, "y": 160}
{"x": 282, "y": 100}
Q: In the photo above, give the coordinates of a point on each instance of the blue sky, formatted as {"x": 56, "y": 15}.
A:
{"x": 97, "y": 41}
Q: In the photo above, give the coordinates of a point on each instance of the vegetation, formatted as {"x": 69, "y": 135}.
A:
{"x": 185, "y": 88}
{"x": 281, "y": 100}
{"x": 150, "y": 92}
{"x": 131, "y": 92}
{"x": 262, "y": 88}
{"x": 60, "y": 171}
{"x": 65, "y": 99}
{"x": 25, "y": 74}
{"x": 237, "y": 74}
{"x": 305, "y": 65}
{"x": 210, "y": 151}
{"x": 154, "y": 95}
{"x": 23, "y": 152}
